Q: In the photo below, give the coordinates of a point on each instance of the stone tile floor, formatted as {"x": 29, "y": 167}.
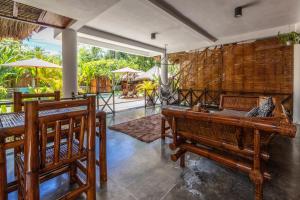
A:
{"x": 145, "y": 172}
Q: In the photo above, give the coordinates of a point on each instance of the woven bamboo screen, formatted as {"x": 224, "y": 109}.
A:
{"x": 263, "y": 66}
{"x": 260, "y": 67}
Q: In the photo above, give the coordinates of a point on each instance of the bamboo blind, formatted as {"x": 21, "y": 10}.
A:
{"x": 263, "y": 66}
{"x": 260, "y": 67}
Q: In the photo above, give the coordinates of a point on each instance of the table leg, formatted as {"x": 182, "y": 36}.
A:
{"x": 163, "y": 128}
{"x": 3, "y": 178}
{"x": 102, "y": 153}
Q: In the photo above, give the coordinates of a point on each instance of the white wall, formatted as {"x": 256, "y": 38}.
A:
{"x": 296, "y": 106}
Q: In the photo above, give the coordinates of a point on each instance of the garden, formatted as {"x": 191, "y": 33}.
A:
{"x": 92, "y": 62}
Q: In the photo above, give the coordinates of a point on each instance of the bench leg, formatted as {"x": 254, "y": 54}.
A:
{"x": 256, "y": 174}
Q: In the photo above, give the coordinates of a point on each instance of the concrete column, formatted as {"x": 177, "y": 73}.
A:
{"x": 164, "y": 68}
{"x": 69, "y": 60}
{"x": 296, "y": 100}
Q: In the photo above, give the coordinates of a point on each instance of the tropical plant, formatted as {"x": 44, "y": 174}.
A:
{"x": 3, "y": 92}
{"x": 3, "y": 109}
{"x": 36, "y": 90}
{"x": 102, "y": 67}
{"x": 147, "y": 86}
{"x": 92, "y": 62}
{"x": 289, "y": 38}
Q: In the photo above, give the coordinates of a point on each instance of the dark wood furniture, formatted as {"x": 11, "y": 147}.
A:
{"x": 20, "y": 97}
{"x": 228, "y": 137}
{"x": 55, "y": 144}
{"x": 18, "y": 105}
{"x": 12, "y": 125}
{"x": 101, "y": 134}
{"x": 164, "y": 128}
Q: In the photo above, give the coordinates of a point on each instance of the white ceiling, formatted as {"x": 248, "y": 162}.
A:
{"x": 216, "y": 16}
{"x": 137, "y": 19}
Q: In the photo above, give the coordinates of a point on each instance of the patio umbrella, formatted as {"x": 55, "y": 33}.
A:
{"x": 150, "y": 74}
{"x": 127, "y": 71}
{"x": 35, "y": 62}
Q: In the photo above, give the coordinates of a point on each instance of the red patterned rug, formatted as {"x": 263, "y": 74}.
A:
{"x": 146, "y": 129}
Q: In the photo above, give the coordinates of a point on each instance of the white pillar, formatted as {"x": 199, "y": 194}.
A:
{"x": 296, "y": 100}
{"x": 164, "y": 68}
{"x": 69, "y": 59}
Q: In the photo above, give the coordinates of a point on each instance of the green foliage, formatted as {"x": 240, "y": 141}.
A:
{"x": 289, "y": 38}
{"x": 89, "y": 54}
{"x": 11, "y": 51}
{"x": 37, "y": 90}
{"x": 3, "y": 92}
{"x": 147, "y": 86}
{"x": 92, "y": 62}
{"x": 3, "y": 109}
{"x": 103, "y": 67}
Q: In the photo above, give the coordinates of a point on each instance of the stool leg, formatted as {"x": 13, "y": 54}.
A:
{"x": 73, "y": 173}
{"x": 102, "y": 151}
{"x": 182, "y": 160}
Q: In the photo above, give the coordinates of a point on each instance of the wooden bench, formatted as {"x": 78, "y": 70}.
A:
{"x": 228, "y": 139}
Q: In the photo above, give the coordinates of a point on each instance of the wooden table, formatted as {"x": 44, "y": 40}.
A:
{"x": 12, "y": 126}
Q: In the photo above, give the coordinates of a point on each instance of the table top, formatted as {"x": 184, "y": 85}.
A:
{"x": 16, "y": 119}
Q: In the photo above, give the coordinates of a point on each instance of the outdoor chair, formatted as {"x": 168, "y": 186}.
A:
{"x": 124, "y": 93}
{"x": 43, "y": 159}
{"x": 134, "y": 93}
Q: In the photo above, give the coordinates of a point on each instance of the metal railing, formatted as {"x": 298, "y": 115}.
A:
{"x": 6, "y": 106}
{"x": 208, "y": 98}
{"x": 183, "y": 97}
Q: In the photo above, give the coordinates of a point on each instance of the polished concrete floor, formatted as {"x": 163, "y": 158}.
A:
{"x": 144, "y": 171}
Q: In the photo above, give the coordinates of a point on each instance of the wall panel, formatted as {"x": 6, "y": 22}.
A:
{"x": 260, "y": 67}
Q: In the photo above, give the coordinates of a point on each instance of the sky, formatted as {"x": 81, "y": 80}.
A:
{"x": 45, "y": 40}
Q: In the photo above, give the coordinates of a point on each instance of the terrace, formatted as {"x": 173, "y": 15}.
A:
{"x": 217, "y": 119}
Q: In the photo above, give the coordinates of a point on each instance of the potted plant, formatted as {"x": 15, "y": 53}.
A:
{"x": 289, "y": 38}
{"x": 148, "y": 88}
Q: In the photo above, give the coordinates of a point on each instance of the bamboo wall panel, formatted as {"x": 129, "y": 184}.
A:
{"x": 260, "y": 67}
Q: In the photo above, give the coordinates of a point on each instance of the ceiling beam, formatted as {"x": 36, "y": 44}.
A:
{"x": 15, "y": 10}
{"x": 114, "y": 47}
{"x": 122, "y": 41}
{"x": 42, "y": 15}
{"x": 163, "y": 5}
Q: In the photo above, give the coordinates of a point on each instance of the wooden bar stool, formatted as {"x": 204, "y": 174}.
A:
{"x": 18, "y": 106}
{"x": 52, "y": 148}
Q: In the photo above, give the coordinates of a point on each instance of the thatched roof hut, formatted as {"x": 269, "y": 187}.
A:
{"x": 19, "y": 20}
{"x": 16, "y": 29}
